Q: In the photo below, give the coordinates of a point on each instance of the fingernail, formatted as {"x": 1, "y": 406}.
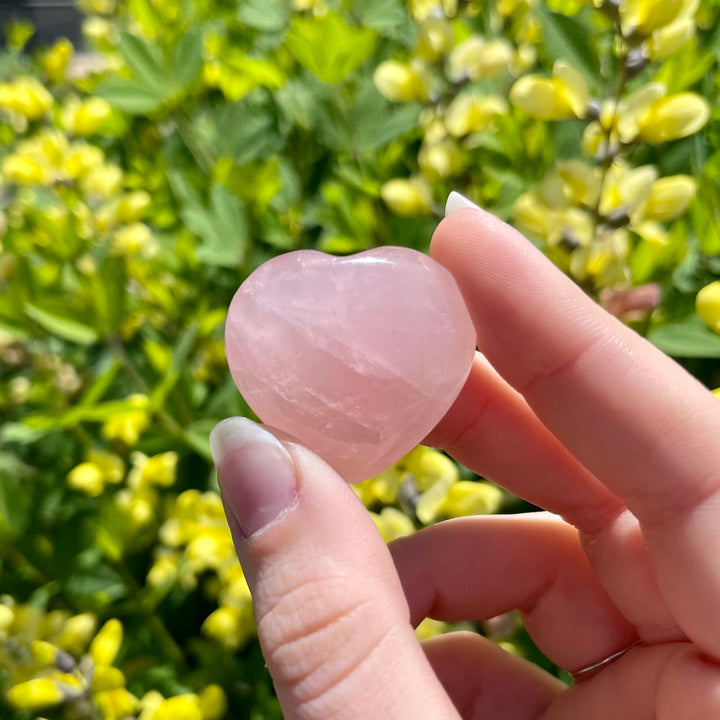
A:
{"x": 255, "y": 472}
{"x": 456, "y": 201}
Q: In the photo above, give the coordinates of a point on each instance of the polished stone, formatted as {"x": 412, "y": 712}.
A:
{"x": 356, "y": 357}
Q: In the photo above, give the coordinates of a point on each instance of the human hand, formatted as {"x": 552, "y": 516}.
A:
{"x": 577, "y": 414}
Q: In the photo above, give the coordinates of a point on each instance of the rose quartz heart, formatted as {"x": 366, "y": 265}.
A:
{"x": 358, "y": 357}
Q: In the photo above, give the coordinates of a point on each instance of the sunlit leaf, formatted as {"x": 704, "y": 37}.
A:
{"x": 329, "y": 47}
{"x": 62, "y": 327}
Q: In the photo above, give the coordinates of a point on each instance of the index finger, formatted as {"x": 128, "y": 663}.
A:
{"x": 642, "y": 425}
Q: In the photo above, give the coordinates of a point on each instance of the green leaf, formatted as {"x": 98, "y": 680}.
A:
{"x": 328, "y": 47}
{"x": 109, "y": 288}
{"x": 15, "y": 500}
{"x": 108, "y": 370}
{"x": 388, "y": 17}
{"x": 95, "y": 587}
{"x": 298, "y": 101}
{"x": 187, "y": 59}
{"x": 197, "y": 436}
{"x": 183, "y": 189}
{"x": 377, "y": 123}
{"x": 265, "y": 15}
{"x": 246, "y": 133}
{"x": 222, "y": 228}
{"x": 179, "y": 361}
{"x": 143, "y": 59}
{"x": 62, "y": 327}
{"x": 130, "y": 96}
{"x": 689, "y": 338}
{"x": 567, "y": 38}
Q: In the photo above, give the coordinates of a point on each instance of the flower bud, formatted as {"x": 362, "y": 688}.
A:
{"x": 669, "y": 39}
{"x": 669, "y": 197}
{"x": 707, "y": 305}
{"x": 470, "y": 113}
{"x": 435, "y": 39}
{"x": 402, "y": 83}
{"x": 35, "y": 694}
{"x": 562, "y": 96}
{"x": 673, "y": 117}
{"x": 477, "y": 58}
{"x": 407, "y": 197}
{"x": 106, "y": 644}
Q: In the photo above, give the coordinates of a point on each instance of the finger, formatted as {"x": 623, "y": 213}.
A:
{"x": 633, "y": 417}
{"x": 663, "y": 682}
{"x": 491, "y": 429}
{"x": 610, "y": 396}
{"x": 530, "y": 562}
{"x": 331, "y": 613}
{"x": 484, "y": 681}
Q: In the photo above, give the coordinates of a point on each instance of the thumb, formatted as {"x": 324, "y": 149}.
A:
{"x": 332, "y": 619}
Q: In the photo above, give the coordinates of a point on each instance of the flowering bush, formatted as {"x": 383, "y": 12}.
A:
{"x": 142, "y": 179}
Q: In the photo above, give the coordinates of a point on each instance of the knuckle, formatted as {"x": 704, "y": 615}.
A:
{"x": 317, "y": 633}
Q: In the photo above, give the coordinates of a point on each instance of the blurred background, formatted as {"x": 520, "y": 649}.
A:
{"x": 154, "y": 152}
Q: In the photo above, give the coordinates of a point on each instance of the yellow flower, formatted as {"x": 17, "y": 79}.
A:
{"x": 430, "y": 627}
{"x": 92, "y": 476}
{"x": 407, "y": 197}
{"x": 582, "y": 182}
{"x": 133, "y": 239}
{"x": 401, "y": 82}
{"x": 106, "y": 644}
{"x": 23, "y": 170}
{"x": 423, "y": 9}
{"x": 163, "y": 571}
{"x": 716, "y": 393}
{"x": 230, "y": 626}
{"x": 86, "y": 478}
{"x": 430, "y": 503}
{"x": 85, "y": 117}
{"x": 429, "y": 466}
{"x": 669, "y": 197}
{"x": 128, "y": 425}
{"x": 81, "y": 158}
{"x": 6, "y": 619}
{"x": 673, "y": 117}
{"x": 392, "y": 523}
{"x": 435, "y": 38}
{"x": 211, "y": 548}
{"x": 36, "y": 693}
{"x": 213, "y": 702}
{"x": 562, "y": 96}
{"x": 156, "y": 470}
{"x": 180, "y": 707}
{"x": 470, "y": 113}
{"x": 44, "y": 652}
{"x": 440, "y": 160}
{"x": 642, "y": 17}
{"x": 116, "y": 704}
{"x": 476, "y": 58}
{"x": 669, "y": 39}
{"x": 27, "y": 97}
{"x": 466, "y": 497}
{"x": 707, "y": 305}
{"x": 102, "y": 181}
{"x": 627, "y": 188}
{"x": 56, "y": 60}
{"x": 131, "y": 207}
{"x": 107, "y": 677}
{"x": 76, "y": 633}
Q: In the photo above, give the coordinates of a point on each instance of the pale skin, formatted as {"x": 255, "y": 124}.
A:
{"x": 579, "y": 415}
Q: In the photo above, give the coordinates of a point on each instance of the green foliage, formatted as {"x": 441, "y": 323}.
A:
{"x": 143, "y": 181}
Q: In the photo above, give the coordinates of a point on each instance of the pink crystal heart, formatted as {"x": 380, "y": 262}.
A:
{"x": 357, "y": 357}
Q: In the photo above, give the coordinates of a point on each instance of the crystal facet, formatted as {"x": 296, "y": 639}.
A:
{"x": 357, "y": 357}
